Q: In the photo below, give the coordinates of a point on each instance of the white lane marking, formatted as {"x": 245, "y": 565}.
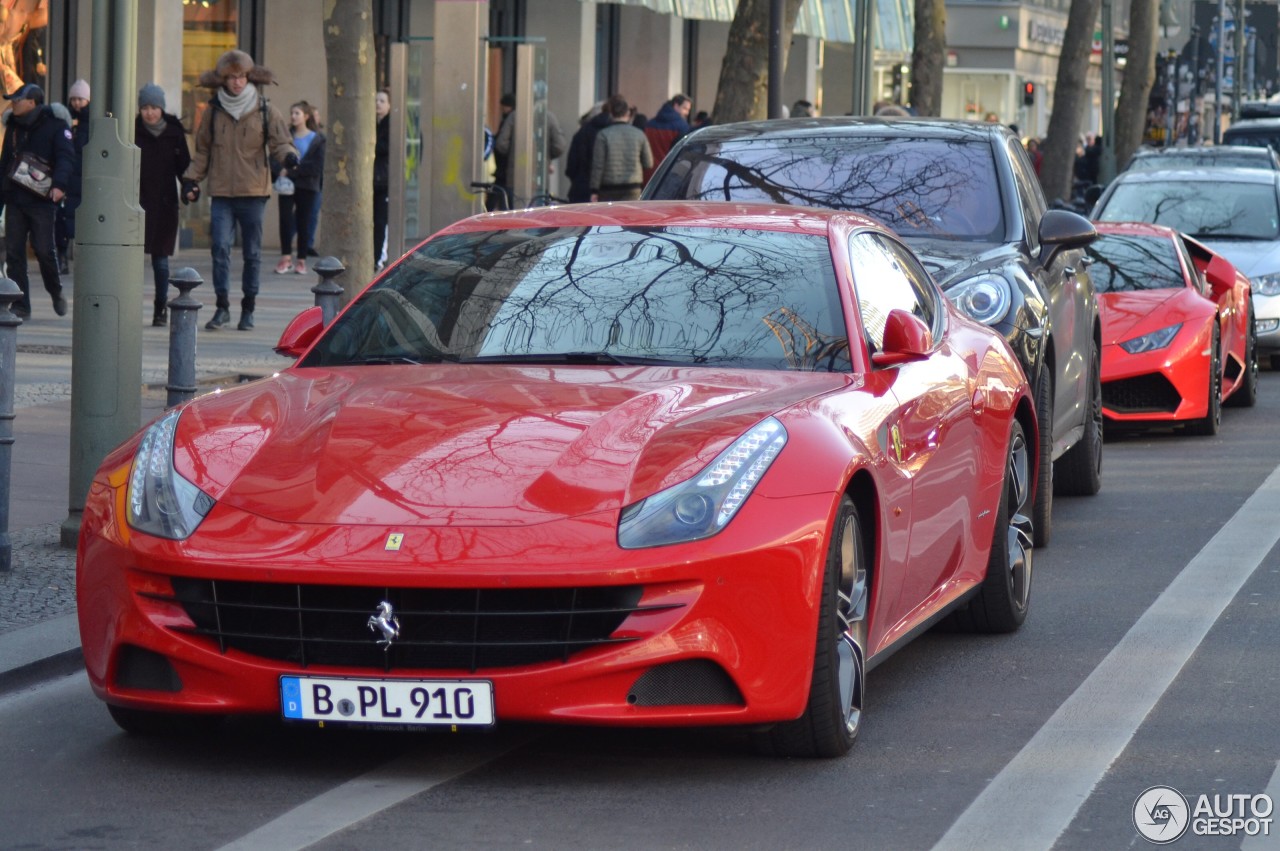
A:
{"x": 1059, "y": 767}
{"x": 370, "y": 794}
{"x": 1272, "y": 841}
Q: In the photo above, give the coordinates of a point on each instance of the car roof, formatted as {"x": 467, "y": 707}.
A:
{"x": 1134, "y": 229}
{"x": 1257, "y": 152}
{"x": 1215, "y": 174}
{"x": 731, "y": 214}
{"x": 803, "y": 128}
{"x": 1254, "y": 123}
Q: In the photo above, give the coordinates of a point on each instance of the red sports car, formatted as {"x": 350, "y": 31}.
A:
{"x": 632, "y": 464}
{"x": 1177, "y": 329}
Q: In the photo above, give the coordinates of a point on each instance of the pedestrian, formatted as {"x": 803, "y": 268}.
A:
{"x": 662, "y": 131}
{"x": 381, "y": 176}
{"x": 702, "y": 119}
{"x": 315, "y": 203}
{"x": 803, "y": 109}
{"x": 620, "y": 156}
{"x": 238, "y": 132}
{"x": 36, "y": 161}
{"x": 578, "y": 166}
{"x": 165, "y": 158}
{"x": 297, "y": 210}
{"x": 64, "y": 223}
{"x": 504, "y": 138}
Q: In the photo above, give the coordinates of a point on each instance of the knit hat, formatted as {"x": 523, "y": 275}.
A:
{"x": 151, "y": 95}
{"x": 79, "y": 89}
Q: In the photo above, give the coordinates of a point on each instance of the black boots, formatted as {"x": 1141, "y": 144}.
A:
{"x": 246, "y": 320}
{"x": 221, "y": 316}
{"x": 160, "y": 317}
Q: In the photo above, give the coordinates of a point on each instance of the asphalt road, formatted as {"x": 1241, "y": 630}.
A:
{"x": 1149, "y": 658}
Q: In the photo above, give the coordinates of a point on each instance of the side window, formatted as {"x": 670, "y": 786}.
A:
{"x": 887, "y": 278}
{"x": 1031, "y": 202}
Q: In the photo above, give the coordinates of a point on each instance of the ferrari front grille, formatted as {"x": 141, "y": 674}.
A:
{"x": 1142, "y": 394}
{"x": 439, "y": 628}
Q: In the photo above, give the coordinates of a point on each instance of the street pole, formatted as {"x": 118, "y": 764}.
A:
{"x": 1171, "y": 87}
{"x": 106, "y": 350}
{"x": 1222, "y": 68}
{"x": 1107, "y": 162}
{"x": 863, "y": 57}
{"x": 1237, "y": 67}
{"x": 775, "y": 59}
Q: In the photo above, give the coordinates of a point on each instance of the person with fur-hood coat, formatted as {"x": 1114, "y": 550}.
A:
{"x": 239, "y": 134}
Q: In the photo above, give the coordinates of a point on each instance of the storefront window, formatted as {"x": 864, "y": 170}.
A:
{"x": 209, "y": 29}
{"x": 24, "y": 38}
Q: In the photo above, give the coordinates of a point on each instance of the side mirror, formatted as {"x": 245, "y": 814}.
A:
{"x": 906, "y": 338}
{"x": 301, "y": 333}
{"x": 1220, "y": 274}
{"x": 1061, "y": 230}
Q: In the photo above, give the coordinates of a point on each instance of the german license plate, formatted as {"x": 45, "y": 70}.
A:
{"x": 419, "y": 703}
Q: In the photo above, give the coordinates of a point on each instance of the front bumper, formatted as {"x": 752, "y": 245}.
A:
{"x": 1167, "y": 385}
{"x": 725, "y": 626}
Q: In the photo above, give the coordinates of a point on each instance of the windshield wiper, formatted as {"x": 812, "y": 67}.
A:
{"x": 573, "y": 358}
{"x": 375, "y": 360}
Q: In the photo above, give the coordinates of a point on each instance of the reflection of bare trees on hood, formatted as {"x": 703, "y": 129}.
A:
{"x": 932, "y": 187}
{"x": 679, "y": 295}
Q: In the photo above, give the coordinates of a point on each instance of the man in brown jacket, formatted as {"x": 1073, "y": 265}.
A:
{"x": 238, "y": 131}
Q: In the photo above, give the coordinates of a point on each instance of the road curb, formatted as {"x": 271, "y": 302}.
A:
{"x": 36, "y": 652}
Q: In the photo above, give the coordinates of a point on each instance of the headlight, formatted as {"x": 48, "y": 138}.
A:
{"x": 1267, "y": 284}
{"x": 1151, "y": 342}
{"x": 985, "y": 298}
{"x": 161, "y": 502}
{"x": 1265, "y": 326}
{"x": 703, "y": 505}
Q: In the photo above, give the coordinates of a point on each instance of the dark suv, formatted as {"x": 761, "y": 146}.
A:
{"x": 965, "y": 196}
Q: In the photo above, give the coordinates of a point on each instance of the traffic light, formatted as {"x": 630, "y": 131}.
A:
{"x": 1028, "y": 93}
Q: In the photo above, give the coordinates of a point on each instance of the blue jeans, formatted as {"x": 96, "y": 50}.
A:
{"x": 247, "y": 214}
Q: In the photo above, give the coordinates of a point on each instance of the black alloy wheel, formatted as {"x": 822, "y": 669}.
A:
{"x": 1208, "y": 425}
{"x": 1079, "y": 470}
{"x": 1042, "y": 510}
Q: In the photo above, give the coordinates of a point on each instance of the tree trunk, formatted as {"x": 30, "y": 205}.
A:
{"x": 744, "y": 76}
{"x": 1069, "y": 95}
{"x": 347, "y": 205}
{"x": 927, "y": 57}
{"x": 1139, "y": 74}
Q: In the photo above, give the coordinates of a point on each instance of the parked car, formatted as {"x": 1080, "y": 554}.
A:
{"x": 1254, "y": 132}
{"x": 1235, "y": 212}
{"x": 965, "y": 197}
{"x": 1204, "y": 156}
{"x": 1177, "y": 329}
{"x": 635, "y": 464}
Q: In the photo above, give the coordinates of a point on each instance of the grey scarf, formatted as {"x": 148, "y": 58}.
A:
{"x": 238, "y": 105}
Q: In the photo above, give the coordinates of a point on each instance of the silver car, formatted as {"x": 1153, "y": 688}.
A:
{"x": 1235, "y": 211}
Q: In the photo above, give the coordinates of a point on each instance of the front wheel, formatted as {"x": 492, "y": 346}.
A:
{"x": 1208, "y": 425}
{"x": 1246, "y": 395}
{"x": 1042, "y": 510}
{"x": 1079, "y": 471}
{"x": 833, "y": 716}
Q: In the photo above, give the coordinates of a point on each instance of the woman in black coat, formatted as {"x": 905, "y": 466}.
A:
{"x": 165, "y": 156}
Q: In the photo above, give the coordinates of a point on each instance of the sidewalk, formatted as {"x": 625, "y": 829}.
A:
{"x": 38, "y": 627}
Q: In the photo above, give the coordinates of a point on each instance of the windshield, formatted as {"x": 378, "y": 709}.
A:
{"x": 937, "y": 188}
{"x": 608, "y": 295}
{"x": 1205, "y": 209}
{"x": 1128, "y": 263}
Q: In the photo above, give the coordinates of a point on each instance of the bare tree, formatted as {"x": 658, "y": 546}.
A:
{"x": 744, "y": 76}
{"x": 927, "y": 56}
{"x": 1069, "y": 94}
{"x": 348, "y": 167}
{"x": 1139, "y": 75}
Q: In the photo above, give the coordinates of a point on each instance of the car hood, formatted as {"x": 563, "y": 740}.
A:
{"x": 1252, "y": 257}
{"x": 469, "y": 445}
{"x": 950, "y": 261}
{"x": 1131, "y": 314}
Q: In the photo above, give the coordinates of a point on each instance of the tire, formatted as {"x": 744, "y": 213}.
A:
{"x": 1004, "y": 597}
{"x": 1079, "y": 470}
{"x": 1246, "y": 395}
{"x": 142, "y": 722}
{"x": 1208, "y": 425}
{"x": 833, "y": 716}
{"x": 1275, "y": 363}
{"x": 1042, "y": 511}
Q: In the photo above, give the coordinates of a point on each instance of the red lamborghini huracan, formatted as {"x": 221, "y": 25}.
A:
{"x": 630, "y": 464}
{"x": 1177, "y": 329}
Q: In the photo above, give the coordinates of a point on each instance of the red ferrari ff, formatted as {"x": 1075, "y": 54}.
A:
{"x": 632, "y": 464}
{"x": 1177, "y": 328}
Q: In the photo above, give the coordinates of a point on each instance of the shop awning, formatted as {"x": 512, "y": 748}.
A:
{"x": 829, "y": 20}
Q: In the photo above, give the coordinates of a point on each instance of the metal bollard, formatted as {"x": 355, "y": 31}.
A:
{"x": 10, "y": 295}
{"x": 328, "y": 293}
{"x": 182, "y": 337}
